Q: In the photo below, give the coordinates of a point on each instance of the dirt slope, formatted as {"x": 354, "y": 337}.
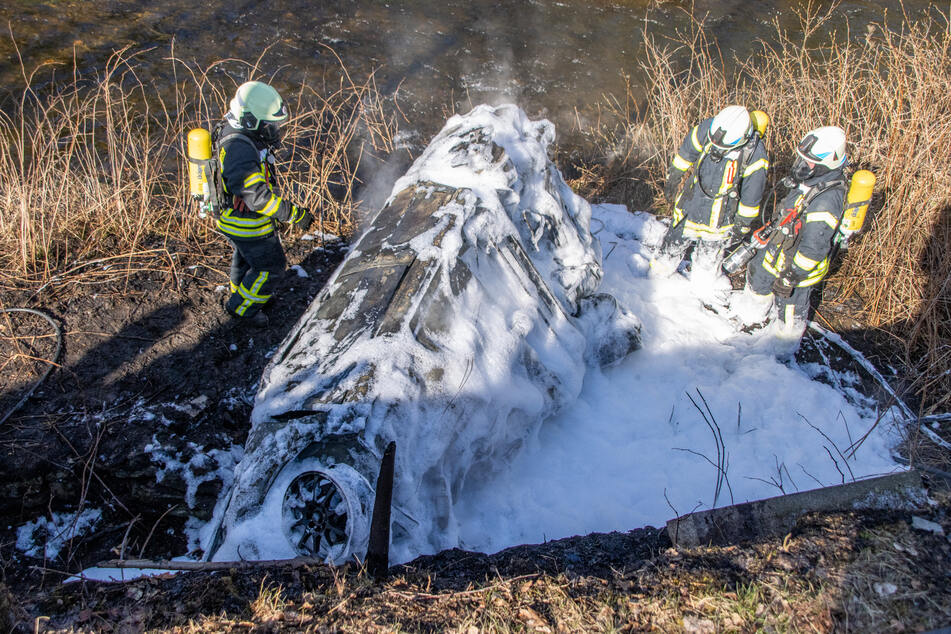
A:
{"x": 149, "y": 361}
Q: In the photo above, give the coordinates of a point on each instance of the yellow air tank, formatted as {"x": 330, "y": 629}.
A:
{"x": 760, "y": 121}
{"x": 199, "y": 151}
{"x": 860, "y": 194}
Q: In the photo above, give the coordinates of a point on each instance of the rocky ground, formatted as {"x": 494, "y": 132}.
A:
{"x": 150, "y": 398}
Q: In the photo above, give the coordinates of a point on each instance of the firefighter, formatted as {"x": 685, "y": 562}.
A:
{"x": 244, "y": 144}
{"x": 721, "y": 198}
{"x": 797, "y": 257}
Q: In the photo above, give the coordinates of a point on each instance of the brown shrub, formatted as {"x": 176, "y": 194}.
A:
{"x": 95, "y": 166}
{"x": 888, "y": 90}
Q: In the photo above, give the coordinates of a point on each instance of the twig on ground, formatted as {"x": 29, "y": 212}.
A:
{"x": 722, "y": 464}
{"x": 496, "y": 586}
{"x": 154, "y": 526}
{"x": 837, "y": 450}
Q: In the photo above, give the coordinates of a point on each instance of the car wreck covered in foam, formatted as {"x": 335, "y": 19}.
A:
{"x": 464, "y": 316}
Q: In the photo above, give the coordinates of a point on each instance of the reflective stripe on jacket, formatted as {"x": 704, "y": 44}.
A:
{"x": 804, "y": 252}
{"x": 722, "y": 192}
{"x": 247, "y": 177}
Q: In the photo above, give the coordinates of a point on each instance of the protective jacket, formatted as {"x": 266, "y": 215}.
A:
{"x": 720, "y": 191}
{"x": 247, "y": 169}
{"x": 801, "y": 251}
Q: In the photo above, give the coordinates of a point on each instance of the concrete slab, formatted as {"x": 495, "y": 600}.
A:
{"x": 776, "y": 516}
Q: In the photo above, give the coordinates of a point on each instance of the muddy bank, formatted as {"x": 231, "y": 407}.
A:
{"x": 841, "y": 572}
{"x": 148, "y": 410}
{"x": 151, "y": 407}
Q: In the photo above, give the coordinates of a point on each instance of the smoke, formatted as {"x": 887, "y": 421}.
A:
{"x": 451, "y": 61}
{"x": 379, "y": 175}
{"x": 492, "y": 76}
{"x": 446, "y": 60}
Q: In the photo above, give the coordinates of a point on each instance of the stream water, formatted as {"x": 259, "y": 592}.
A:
{"x": 556, "y": 58}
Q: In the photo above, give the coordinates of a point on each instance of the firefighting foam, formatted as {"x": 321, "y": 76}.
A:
{"x": 487, "y": 321}
{"x": 465, "y": 316}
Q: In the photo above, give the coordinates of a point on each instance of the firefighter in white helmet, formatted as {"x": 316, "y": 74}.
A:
{"x": 721, "y": 198}
{"x": 244, "y": 145}
{"x": 797, "y": 257}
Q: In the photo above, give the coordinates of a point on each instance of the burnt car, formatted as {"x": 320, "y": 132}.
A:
{"x": 464, "y": 316}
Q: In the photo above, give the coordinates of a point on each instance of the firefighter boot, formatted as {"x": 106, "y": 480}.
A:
{"x": 752, "y": 309}
{"x": 256, "y": 319}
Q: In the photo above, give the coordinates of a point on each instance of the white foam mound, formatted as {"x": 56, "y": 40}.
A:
{"x": 502, "y": 308}
{"x": 464, "y": 317}
{"x": 633, "y": 449}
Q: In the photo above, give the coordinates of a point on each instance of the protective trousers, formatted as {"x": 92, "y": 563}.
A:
{"x": 793, "y": 309}
{"x": 675, "y": 245}
{"x": 255, "y": 267}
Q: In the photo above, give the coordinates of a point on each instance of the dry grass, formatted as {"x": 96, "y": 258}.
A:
{"x": 691, "y": 602}
{"x": 834, "y": 573}
{"x": 881, "y": 586}
{"x": 269, "y": 603}
{"x": 842, "y": 572}
{"x": 888, "y": 90}
{"x": 94, "y": 167}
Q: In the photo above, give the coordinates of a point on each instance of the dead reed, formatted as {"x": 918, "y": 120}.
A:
{"x": 94, "y": 167}
{"x": 888, "y": 90}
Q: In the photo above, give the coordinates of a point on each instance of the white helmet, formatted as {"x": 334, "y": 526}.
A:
{"x": 258, "y": 108}
{"x": 820, "y": 151}
{"x": 730, "y": 128}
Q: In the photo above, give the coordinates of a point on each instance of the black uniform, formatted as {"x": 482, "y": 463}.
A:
{"x": 801, "y": 252}
{"x": 247, "y": 170}
{"x": 718, "y": 193}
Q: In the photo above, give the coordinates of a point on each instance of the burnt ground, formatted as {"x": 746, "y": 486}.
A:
{"x": 153, "y": 391}
{"x": 149, "y": 359}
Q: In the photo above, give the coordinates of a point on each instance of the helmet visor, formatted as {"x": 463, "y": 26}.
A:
{"x": 805, "y": 149}
{"x": 802, "y": 169}
{"x": 279, "y": 115}
{"x": 719, "y": 144}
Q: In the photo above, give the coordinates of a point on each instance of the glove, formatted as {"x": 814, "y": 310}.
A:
{"x": 739, "y": 232}
{"x": 304, "y": 218}
{"x": 784, "y": 286}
